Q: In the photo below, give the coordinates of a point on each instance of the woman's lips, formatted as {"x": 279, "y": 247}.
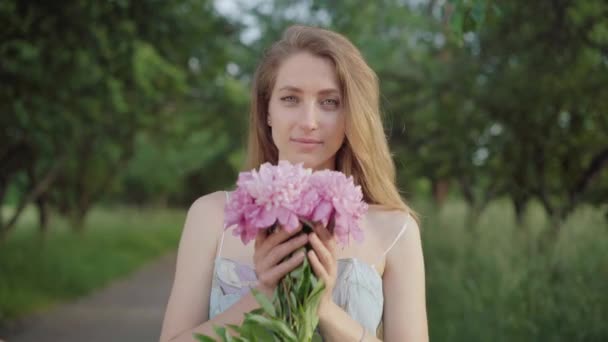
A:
{"x": 306, "y": 141}
{"x": 309, "y": 143}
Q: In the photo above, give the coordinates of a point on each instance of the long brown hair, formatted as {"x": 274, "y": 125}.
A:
{"x": 365, "y": 153}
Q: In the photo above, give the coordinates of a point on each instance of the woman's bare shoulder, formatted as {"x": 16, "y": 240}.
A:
{"x": 211, "y": 201}
{"x": 206, "y": 215}
{"x": 387, "y": 224}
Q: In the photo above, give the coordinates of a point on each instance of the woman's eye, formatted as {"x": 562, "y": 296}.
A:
{"x": 289, "y": 99}
{"x": 330, "y": 102}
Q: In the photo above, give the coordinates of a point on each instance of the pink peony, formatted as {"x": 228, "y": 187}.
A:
{"x": 340, "y": 198}
{"x": 288, "y": 193}
{"x": 238, "y": 212}
{"x": 274, "y": 193}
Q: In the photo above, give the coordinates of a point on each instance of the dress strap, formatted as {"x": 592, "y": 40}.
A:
{"x": 403, "y": 228}
{"x": 219, "y": 250}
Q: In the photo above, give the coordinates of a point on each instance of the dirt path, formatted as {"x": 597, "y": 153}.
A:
{"x": 130, "y": 309}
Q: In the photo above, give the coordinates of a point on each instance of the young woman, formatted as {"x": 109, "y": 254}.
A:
{"x": 314, "y": 100}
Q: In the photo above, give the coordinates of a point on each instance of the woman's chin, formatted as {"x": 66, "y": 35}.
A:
{"x": 316, "y": 164}
{"x": 306, "y": 160}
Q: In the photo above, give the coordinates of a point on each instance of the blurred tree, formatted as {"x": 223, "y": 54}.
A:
{"x": 544, "y": 82}
{"x": 492, "y": 95}
{"x": 191, "y": 147}
{"x": 487, "y": 95}
{"x": 81, "y": 80}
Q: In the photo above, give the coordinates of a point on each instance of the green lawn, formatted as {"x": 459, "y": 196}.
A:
{"x": 493, "y": 285}
{"x": 118, "y": 241}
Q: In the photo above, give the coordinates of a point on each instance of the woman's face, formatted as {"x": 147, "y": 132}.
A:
{"x": 305, "y": 111}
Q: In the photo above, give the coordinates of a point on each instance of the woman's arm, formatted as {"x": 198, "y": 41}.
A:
{"x": 404, "y": 296}
{"x": 337, "y": 325}
{"x": 188, "y": 305}
{"x": 334, "y": 323}
{"x": 404, "y": 289}
{"x": 189, "y": 298}
{"x": 234, "y": 315}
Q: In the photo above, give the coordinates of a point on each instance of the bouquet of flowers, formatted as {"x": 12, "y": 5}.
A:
{"x": 282, "y": 196}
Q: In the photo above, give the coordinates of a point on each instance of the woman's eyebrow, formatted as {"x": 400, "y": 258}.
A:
{"x": 298, "y": 90}
{"x": 329, "y": 91}
{"x": 291, "y": 88}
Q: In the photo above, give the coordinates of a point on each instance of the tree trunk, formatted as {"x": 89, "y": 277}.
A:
{"x": 43, "y": 215}
{"x": 3, "y": 188}
{"x": 440, "y": 191}
{"x": 519, "y": 205}
{"x": 36, "y": 190}
{"x": 77, "y": 221}
{"x": 548, "y": 238}
{"x": 473, "y": 216}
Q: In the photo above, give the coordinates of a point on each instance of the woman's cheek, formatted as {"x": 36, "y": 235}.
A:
{"x": 334, "y": 124}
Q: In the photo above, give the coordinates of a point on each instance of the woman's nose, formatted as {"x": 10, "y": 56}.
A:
{"x": 309, "y": 119}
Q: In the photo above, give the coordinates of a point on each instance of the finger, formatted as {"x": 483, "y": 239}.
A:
{"x": 317, "y": 266}
{"x": 263, "y": 240}
{"x": 321, "y": 251}
{"x": 260, "y": 237}
{"x": 281, "y": 251}
{"x": 327, "y": 237}
{"x": 279, "y": 271}
{"x": 279, "y": 237}
{"x": 322, "y": 231}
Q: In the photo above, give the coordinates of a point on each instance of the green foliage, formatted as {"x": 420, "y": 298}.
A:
{"x": 493, "y": 285}
{"x": 84, "y": 80}
{"x": 36, "y": 274}
{"x": 469, "y": 15}
{"x": 488, "y": 94}
{"x": 152, "y": 73}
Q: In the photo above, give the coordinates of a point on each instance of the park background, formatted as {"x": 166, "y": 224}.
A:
{"x": 116, "y": 115}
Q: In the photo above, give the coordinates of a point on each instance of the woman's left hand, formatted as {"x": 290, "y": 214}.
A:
{"x": 323, "y": 259}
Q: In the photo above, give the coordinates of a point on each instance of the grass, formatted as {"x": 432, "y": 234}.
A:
{"x": 491, "y": 283}
{"x": 34, "y": 276}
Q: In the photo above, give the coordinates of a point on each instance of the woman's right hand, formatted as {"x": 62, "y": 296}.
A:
{"x": 270, "y": 250}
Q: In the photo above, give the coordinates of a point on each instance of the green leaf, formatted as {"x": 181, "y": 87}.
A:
{"x": 305, "y": 282}
{"x": 237, "y": 329}
{"x": 313, "y": 282}
{"x": 203, "y": 338}
{"x": 478, "y": 13}
{"x": 297, "y": 272}
{"x": 294, "y": 301}
{"x": 317, "y": 290}
{"x": 255, "y": 332}
{"x": 245, "y": 331}
{"x": 274, "y": 325}
{"x": 258, "y": 311}
{"x": 264, "y": 302}
{"x": 278, "y": 306}
{"x": 284, "y": 306}
{"x": 223, "y": 333}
